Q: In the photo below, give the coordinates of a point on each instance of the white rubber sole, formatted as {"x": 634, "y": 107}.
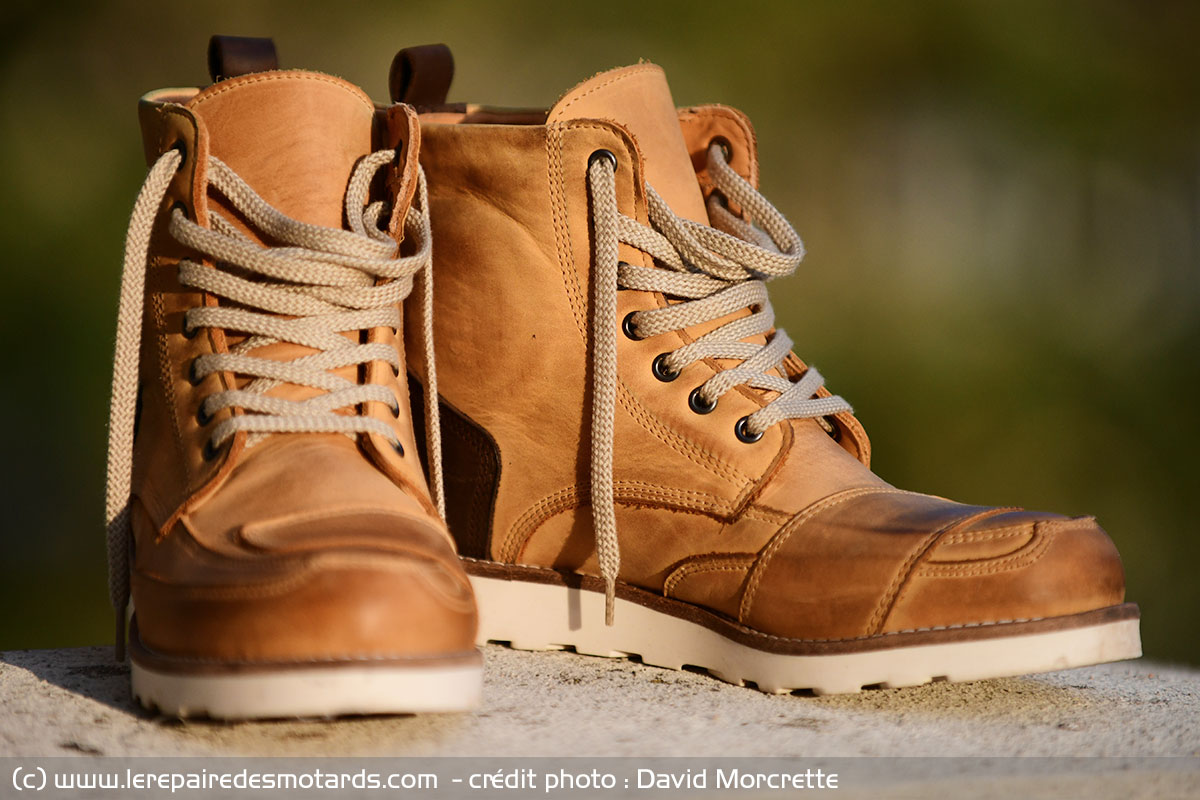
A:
{"x": 545, "y": 616}
{"x": 324, "y": 691}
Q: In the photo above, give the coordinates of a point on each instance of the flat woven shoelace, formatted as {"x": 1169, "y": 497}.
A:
{"x": 318, "y": 284}
{"x": 714, "y": 272}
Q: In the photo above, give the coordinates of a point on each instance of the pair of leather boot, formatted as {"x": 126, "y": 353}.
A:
{"x": 624, "y": 456}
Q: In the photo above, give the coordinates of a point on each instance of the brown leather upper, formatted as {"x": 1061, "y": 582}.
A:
{"x": 304, "y": 547}
{"x": 792, "y": 535}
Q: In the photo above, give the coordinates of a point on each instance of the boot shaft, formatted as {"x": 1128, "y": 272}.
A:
{"x": 513, "y": 223}
{"x": 294, "y": 138}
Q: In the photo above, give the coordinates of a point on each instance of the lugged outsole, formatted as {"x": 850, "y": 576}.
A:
{"x": 536, "y": 615}
{"x": 320, "y": 691}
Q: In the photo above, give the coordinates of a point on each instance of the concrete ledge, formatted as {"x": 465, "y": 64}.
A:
{"x": 77, "y": 702}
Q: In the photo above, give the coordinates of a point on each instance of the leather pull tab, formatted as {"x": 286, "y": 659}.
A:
{"x": 421, "y": 76}
{"x": 231, "y": 56}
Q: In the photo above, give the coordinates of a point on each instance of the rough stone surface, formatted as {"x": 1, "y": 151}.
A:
{"x": 77, "y": 702}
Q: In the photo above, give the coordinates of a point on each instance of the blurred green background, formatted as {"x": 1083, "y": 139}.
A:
{"x": 1001, "y": 202}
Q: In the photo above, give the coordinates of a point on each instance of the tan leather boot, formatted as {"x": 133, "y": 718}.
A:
{"x": 621, "y": 415}
{"x": 265, "y": 500}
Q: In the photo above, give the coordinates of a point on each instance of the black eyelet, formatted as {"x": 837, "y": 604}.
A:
{"x": 395, "y": 371}
{"x": 194, "y": 377}
{"x": 608, "y": 154}
{"x": 629, "y": 329}
{"x": 210, "y": 452}
{"x": 396, "y": 410}
{"x": 726, "y": 147}
{"x": 697, "y": 403}
{"x": 743, "y": 434}
{"x": 661, "y": 370}
{"x": 202, "y": 418}
{"x": 399, "y": 448}
{"x": 188, "y": 333}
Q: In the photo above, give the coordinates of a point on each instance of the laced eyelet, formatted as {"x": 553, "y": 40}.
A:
{"x": 661, "y": 370}
{"x": 606, "y": 154}
{"x": 399, "y": 448}
{"x": 629, "y": 329}
{"x": 181, "y": 206}
{"x": 834, "y": 431}
{"x": 202, "y": 417}
{"x": 210, "y": 452}
{"x": 188, "y": 333}
{"x": 743, "y": 433}
{"x": 697, "y": 403}
{"x": 726, "y": 147}
{"x": 194, "y": 378}
{"x": 180, "y": 144}
{"x": 395, "y": 410}
{"x": 395, "y": 370}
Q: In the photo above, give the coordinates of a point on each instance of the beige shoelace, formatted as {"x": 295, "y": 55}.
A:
{"x": 320, "y": 283}
{"x": 715, "y": 271}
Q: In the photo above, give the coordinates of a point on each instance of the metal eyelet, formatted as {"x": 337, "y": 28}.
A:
{"x": 743, "y": 433}
{"x": 399, "y": 448}
{"x": 194, "y": 378}
{"x": 629, "y": 329}
{"x": 602, "y": 153}
{"x": 661, "y": 370}
{"x": 697, "y": 403}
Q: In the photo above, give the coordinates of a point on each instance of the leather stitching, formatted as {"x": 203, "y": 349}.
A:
{"x": 281, "y": 75}
{"x": 888, "y": 601}
{"x": 899, "y": 588}
{"x": 983, "y": 536}
{"x": 1043, "y": 536}
{"x": 166, "y": 376}
{"x": 786, "y": 531}
{"x": 398, "y": 560}
{"x": 562, "y": 233}
{"x": 633, "y": 72}
{"x": 766, "y": 514}
{"x": 725, "y": 564}
{"x": 627, "y": 493}
{"x": 693, "y": 452}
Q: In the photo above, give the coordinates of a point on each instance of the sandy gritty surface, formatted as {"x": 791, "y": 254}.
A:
{"x": 77, "y": 702}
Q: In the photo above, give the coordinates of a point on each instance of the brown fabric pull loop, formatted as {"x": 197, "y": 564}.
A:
{"x": 231, "y": 56}
{"x": 421, "y": 76}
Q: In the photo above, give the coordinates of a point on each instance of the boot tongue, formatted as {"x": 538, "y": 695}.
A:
{"x": 638, "y": 99}
{"x": 293, "y": 136}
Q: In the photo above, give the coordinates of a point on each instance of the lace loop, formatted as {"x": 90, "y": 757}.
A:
{"x": 328, "y": 281}
{"x": 714, "y": 271}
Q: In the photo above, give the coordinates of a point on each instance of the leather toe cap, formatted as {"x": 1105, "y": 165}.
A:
{"x": 1014, "y": 566}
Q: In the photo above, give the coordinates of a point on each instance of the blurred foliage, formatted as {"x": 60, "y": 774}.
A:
{"x": 1001, "y": 202}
